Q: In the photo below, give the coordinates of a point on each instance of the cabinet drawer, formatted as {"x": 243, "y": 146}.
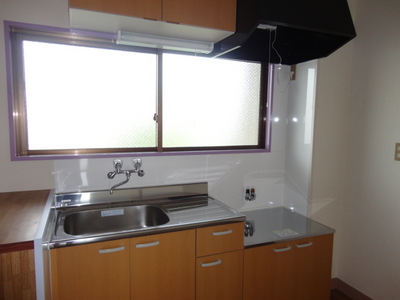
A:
{"x": 220, "y": 238}
{"x": 220, "y": 276}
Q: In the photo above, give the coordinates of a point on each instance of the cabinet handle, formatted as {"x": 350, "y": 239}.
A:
{"x": 222, "y": 232}
{"x": 148, "y": 244}
{"x": 211, "y": 263}
{"x": 304, "y": 245}
{"x": 282, "y": 249}
{"x": 101, "y": 251}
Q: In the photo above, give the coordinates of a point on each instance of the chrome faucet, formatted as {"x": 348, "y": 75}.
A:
{"x": 137, "y": 163}
{"x": 249, "y": 228}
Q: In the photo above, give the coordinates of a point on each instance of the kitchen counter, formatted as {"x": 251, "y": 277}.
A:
{"x": 278, "y": 224}
{"x": 20, "y": 213}
{"x": 183, "y": 207}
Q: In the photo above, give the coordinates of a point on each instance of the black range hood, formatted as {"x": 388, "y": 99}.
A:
{"x": 287, "y": 31}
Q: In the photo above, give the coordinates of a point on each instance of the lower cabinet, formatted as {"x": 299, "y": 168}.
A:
{"x": 219, "y": 262}
{"x": 162, "y": 266}
{"x": 92, "y": 271}
{"x": 17, "y": 275}
{"x": 299, "y": 269}
{"x": 200, "y": 264}
{"x": 219, "y": 277}
{"x": 150, "y": 267}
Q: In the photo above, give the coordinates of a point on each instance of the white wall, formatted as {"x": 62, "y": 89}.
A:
{"x": 299, "y": 136}
{"x": 355, "y": 181}
{"x": 24, "y": 175}
{"x": 329, "y": 148}
{"x": 228, "y": 175}
{"x": 279, "y": 178}
{"x": 369, "y": 252}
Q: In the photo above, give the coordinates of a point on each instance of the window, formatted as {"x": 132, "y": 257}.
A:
{"x": 210, "y": 102}
{"x": 78, "y": 94}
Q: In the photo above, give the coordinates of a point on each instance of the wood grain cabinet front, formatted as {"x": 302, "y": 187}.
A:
{"x": 146, "y": 9}
{"x": 162, "y": 266}
{"x": 219, "y": 263}
{"x": 219, "y": 277}
{"x": 93, "y": 271}
{"x": 299, "y": 269}
{"x": 217, "y": 14}
{"x": 219, "y": 239}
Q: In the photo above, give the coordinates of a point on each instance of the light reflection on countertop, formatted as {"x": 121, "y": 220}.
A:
{"x": 278, "y": 224}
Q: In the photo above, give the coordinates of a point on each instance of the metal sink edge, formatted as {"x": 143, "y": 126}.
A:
{"x": 186, "y": 210}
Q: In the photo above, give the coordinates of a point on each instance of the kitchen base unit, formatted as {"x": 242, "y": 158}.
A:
{"x": 219, "y": 262}
{"x": 91, "y": 271}
{"x": 297, "y": 269}
{"x": 157, "y": 266}
{"x": 162, "y": 266}
{"x": 219, "y": 277}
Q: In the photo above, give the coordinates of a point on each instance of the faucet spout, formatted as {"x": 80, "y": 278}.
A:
{"x": 128, "y": 176}
{"x": 118, "y": 170}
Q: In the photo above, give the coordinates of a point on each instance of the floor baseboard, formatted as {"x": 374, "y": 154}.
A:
{"x": 348, "y": 290}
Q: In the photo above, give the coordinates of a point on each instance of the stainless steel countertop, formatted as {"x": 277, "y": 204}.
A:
{"x": 213, "y": 213}
{"x": 185, "y": 210}
{"x": 279, "y": 224}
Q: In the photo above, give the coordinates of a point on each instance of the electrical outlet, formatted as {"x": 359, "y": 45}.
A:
{"x": 397, "y": 152}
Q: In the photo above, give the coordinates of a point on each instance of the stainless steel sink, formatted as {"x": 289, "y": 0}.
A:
{"x": 97, "y": 221}
{"x": 94, "y": 216}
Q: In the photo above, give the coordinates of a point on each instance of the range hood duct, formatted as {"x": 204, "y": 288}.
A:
{"x": 296, "y": 30}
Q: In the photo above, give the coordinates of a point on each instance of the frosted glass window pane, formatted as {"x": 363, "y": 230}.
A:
{"x": 83, "y": 97}
{"x": 210, "y": 102}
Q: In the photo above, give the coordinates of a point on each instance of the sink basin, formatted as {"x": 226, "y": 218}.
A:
{"x": 114, "y": 220}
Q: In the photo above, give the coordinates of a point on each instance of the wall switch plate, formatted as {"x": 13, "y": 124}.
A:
{"x": 397, "y": 152}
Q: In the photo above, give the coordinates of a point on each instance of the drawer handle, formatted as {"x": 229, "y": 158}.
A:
{"x": 304, "y": 245}
{"x": 101, "y": 251}
{"x": 218, "y": 262}
{"x": 282, "y": 249}
{"x": 222, "y": 232}
{"x": 148, "y": 244}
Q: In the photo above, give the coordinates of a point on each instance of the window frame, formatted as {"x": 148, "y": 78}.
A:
{"x": 17, "y": 114}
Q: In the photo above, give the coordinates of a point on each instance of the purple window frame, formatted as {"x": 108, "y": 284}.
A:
{"x": 110, "y": 36}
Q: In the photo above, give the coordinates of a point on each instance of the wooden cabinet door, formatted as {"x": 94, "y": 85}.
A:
{"x": 92, "y": 271}
{"x": 267, "y": 273}
{"x": 312, "y": 267}
{"x": 148, "y": 9}
{"x": 219, "y": 277}
{"x": 219, "y": 14}
{"x": 163, "y": 266}
{"x": 292, "y": 270}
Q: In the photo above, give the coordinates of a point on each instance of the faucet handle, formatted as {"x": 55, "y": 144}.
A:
{"x": 137, "y": 163}
{"x": 118, "y": 164}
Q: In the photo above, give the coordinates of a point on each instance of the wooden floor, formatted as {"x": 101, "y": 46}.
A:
{"x": 337, "y": 295}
